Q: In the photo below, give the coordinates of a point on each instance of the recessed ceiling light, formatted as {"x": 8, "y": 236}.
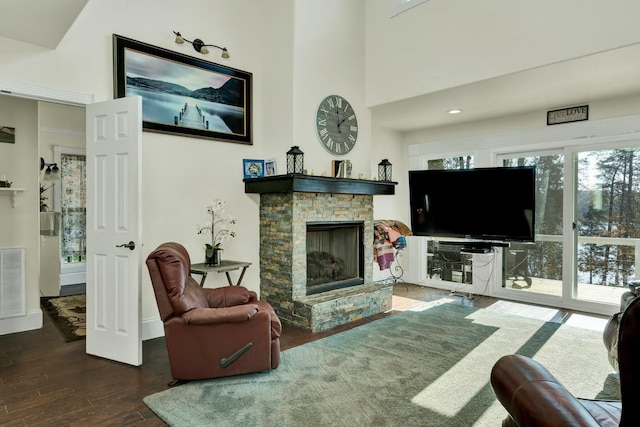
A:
{"x": 454, "y": 111}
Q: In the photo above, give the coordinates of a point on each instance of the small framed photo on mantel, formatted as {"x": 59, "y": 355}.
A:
{"x": 336, "y": 168}
{"x": 253, "y": 168}
{"x": 270, "y": 167}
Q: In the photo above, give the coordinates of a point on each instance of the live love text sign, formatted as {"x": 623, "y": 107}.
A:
{"x": 567, "y": 115}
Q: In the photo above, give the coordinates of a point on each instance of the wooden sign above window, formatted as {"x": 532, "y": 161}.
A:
{"x": 568, "y": 115}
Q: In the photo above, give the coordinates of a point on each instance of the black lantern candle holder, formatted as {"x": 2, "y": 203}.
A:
{"x": 295, "y": 161}
{"x": 384, "y": 170}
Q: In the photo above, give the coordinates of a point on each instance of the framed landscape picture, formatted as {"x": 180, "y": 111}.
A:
{"x": 182, "y": 94}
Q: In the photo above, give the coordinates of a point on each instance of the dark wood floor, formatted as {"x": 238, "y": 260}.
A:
{"x": 46, "y": 381}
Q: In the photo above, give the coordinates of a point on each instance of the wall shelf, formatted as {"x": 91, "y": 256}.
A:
{"x": 13, "y": 192}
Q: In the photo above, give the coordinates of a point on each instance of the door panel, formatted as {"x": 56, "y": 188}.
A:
{"x": 114, "y": 133}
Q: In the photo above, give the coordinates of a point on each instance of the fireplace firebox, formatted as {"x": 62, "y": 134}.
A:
{"x": 335, "y": 255}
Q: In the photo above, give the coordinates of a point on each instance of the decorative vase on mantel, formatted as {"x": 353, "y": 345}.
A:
{"x": 212, "y": 256}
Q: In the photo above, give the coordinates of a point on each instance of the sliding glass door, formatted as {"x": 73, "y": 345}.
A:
{"x": 587, "y": 228}
{"x": 608, "y": 223}
{"x": 537, "y": 267}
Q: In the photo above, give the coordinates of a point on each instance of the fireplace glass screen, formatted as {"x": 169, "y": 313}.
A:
{"x": 334, "y": 256}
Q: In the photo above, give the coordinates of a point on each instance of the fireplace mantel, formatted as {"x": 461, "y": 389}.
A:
{"x": 317, "y": 184}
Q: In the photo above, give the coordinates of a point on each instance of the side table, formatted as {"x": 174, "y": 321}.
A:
{"x": 225, "y": 266}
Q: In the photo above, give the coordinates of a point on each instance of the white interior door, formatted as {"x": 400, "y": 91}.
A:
{"x": 114, "y": 137}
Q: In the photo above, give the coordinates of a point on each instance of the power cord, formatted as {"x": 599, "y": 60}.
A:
{"x": 493, "y": 269}
{"x": 456, "y": 291}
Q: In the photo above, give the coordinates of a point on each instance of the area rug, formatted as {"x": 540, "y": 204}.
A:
{"x": 425, "y": 367}
{"x": 68, "y": 313}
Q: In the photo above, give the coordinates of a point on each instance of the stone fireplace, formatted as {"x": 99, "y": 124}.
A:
{"x": 337, "y": 212}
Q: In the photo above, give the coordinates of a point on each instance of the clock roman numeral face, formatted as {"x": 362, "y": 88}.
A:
{"x": 336, "y": 125}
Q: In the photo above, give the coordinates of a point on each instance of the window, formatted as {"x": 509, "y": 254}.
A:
{"x": 607, "y": 208}
{"x": 448, "y": 163}
{"x": 73, "y": 208}
{"x": 608, "y": 226}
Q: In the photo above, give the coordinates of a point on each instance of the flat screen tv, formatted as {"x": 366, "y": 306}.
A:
{"x": 488, "y": 204}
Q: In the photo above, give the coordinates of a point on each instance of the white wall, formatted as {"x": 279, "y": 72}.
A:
{"x": 20, "y": 226}
{"x": 329, "y": 60}
{"x": 388, "y": 144}
{"x": 443, "y": 44}
{"x": 180, "y": 175}
{"x": 296, "y": 60}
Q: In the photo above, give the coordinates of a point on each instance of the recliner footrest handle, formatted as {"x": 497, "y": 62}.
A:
{"x": 226, "y": 361}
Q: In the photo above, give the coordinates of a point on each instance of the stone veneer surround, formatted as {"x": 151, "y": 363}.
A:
{"x": 283, "y": 259}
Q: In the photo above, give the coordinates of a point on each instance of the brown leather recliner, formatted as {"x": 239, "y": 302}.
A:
{"x": 533, "y": 397}
{"x": 210, "y": 332}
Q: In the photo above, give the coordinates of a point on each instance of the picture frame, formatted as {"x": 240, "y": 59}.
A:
{"x": 335, "y": 168}
{"x": 184, "y": 95}
{"x": 253, "y": 168}
{"x": 270, "y": 168}
{"x": 8, "y": 134}
{"x": 568, "y": 115}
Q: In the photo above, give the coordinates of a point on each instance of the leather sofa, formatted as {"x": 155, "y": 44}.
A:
{"x": 610, "y": 335}
{"x": 534, "y": 397}
{"x": 210, "y": 332}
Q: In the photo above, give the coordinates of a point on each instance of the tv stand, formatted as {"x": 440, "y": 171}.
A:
{"x": 469, "y": 263}
{"x": 476, "y": 247}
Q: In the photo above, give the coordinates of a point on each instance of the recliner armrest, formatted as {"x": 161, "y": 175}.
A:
{"x": 534, "y": 397}
{"x": 205, "y": 316}
{"x": 227, "y": 296}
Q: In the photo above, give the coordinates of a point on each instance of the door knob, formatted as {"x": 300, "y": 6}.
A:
{"x": 131, "y": 245}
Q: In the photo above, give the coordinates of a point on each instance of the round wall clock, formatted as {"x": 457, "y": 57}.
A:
{"x": 337, "y": 125}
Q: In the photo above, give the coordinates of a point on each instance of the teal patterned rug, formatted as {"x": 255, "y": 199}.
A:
{"x": 427, "y": 367}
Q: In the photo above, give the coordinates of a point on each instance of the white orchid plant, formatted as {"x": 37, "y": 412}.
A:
{"x": 220, "y": 225}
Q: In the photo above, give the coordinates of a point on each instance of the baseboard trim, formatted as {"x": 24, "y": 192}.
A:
{"x": 11, "y": 325}
{"x": 152, "y": 328}
{"x": 76, "y": 278}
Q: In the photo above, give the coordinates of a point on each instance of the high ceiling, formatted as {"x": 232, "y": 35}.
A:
{"x": 40, "y": 22}
{"x": 576, "y": 82}
{"x": 570, "y": 83}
